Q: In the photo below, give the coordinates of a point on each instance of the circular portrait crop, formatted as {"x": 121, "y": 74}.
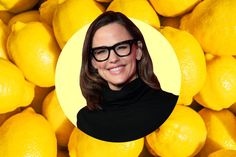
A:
{"x": 117, "y": 79}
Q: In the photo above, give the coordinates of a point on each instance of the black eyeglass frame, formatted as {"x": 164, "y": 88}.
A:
{"x": 109, "y": 48}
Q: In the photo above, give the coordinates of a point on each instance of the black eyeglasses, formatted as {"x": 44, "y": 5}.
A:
{"x": 121, "y": 49}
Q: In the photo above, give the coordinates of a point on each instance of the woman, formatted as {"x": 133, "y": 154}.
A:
{"x": 124, "y": 99}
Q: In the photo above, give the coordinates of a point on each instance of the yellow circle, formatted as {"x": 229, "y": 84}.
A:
{"x": 165, "y": 64}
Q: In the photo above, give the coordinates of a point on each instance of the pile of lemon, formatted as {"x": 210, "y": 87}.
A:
{"x": 203, "y": 35}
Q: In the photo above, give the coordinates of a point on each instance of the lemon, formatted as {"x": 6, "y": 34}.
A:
{"x": 16, "y": 6}
{"x": 179, "y": 135}
{"x": 213, "y": 23}
{"x": 25, "y": 17}
{"x": 3, "y": 40}
{"x": 35, "y": 51}
{"x": 82, "y": 145}
{"x": 192, "y": 62}
{"x": 5, "y": 16}
{"x": 51, "y": 109}
{"x": 72, "y": 15}
{"x": 47, "y": 9}
{"x": 221, "y": 126}
{"x": 172, "y": 8}
{"x": 15, "y": 91}
{"x": 220, "y": 86}
{"x": 140, "y": 10}
{"x": 27, "y": 134}
{"x": 40, "y": 94}
{"x": 223, "y": 153}
{"x": 170, "y": 21}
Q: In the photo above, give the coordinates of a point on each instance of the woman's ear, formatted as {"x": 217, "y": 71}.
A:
{"x": 139, "y": 51}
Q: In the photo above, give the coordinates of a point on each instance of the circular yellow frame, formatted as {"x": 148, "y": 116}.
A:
{"x": 165, "y": 63}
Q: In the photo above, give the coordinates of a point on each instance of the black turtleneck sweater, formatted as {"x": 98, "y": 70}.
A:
{"x": 128, "y": 114}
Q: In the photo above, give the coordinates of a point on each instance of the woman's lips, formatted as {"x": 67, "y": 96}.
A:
{"x": 117, "y": 69}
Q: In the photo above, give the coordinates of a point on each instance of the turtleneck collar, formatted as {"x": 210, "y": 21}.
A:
{"x": 129, "y": 94}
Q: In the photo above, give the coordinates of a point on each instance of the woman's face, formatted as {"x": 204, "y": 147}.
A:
{"x": 117, "y": 71}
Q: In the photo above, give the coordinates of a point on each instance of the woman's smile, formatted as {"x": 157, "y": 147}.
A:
{"x": 116, "y": 69}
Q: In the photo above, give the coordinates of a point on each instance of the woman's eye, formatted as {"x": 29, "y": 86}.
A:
{"x": 124, "y": 46}
{"x": 97, "y": 52}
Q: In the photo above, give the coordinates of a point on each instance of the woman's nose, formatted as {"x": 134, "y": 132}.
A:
{"x": 113, "y": 56}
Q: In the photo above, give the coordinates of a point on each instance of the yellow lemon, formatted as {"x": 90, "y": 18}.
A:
{"x": 220, "y": 86}
{"x": 51, "y": 109}
{"x": 35, "y": 51}
{"x": 27, "y": 134}
{"x": 82, "y": 145}
{"x": 170, "y": 21}
{"x": 140, "y": 9}
{"x": 3, "y": 40}
{"x": 5, "y": 16}
{"x": 179, "y": 135}
{"x": 27, "y": 16}
{"x": 213, "y": 23}
{"x": 15, "y": 91}
{"x": 72, "y": 15}
{"x": 221, "y": 126}
{"x": 16, "y": 6}
{"x": 172, "y": 8}
{"x": 223, "y": 153}
{"x": 192, "y": 62}
{"x": 47, "y": 9}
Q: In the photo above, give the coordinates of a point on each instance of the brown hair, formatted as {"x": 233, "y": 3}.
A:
{"x": 91, "y": 83}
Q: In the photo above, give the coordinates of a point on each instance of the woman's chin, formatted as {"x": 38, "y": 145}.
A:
{"x": 117, "y": 85}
